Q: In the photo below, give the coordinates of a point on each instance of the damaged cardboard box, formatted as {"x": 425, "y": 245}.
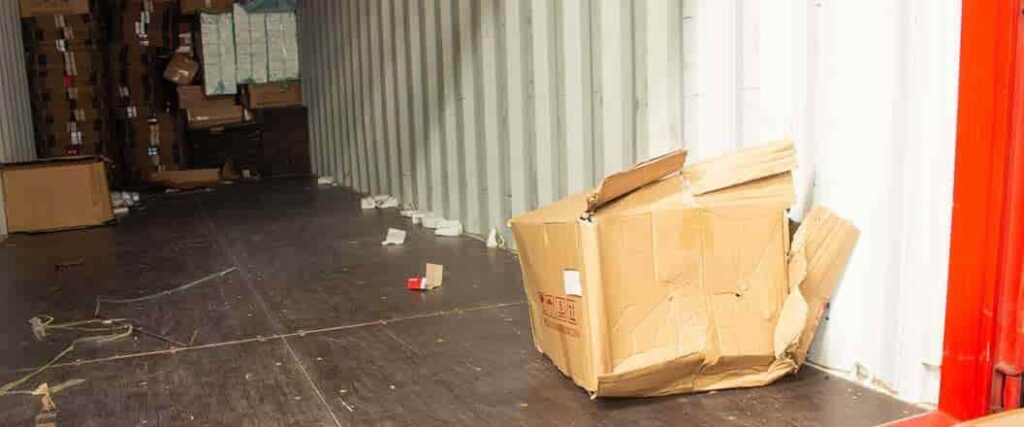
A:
{"x": 670, "y": 280}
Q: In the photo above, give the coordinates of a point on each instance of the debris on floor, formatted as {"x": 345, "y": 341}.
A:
{"x": 495, "y": 239}
{"x": 326, "y": 180}
{"x": 67, "y": 265}
{"x": 434, "y": 278}
{"x": 98, "y": 330}
{"x": 431, "y": 222}
{"x": 449, "y": 228}
{"x": 435, "y": 275}
{"x": 126, "y": 199}
{"x": 394, "y": 237}
{"x": 380, "y": 201}
{"x": 629, "y": 288}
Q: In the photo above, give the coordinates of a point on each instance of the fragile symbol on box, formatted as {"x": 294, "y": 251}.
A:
{"x": 558, "y": 308}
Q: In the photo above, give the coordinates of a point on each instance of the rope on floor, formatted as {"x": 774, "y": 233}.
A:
{"x": 101, "y": 300}
{"x": 114, "y": 328}
{"x": 110, "y": 330}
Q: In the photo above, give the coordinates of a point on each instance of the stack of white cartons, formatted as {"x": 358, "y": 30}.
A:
{"x": 243, "y": 46}
{"x": 282, "y": 47}
{"x": 218, "y": 38}
{"x": 258, "y": 46}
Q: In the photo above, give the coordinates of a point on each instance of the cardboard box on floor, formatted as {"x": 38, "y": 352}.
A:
{"x": 670, "y": 280}
{"x": 56, "y": 194}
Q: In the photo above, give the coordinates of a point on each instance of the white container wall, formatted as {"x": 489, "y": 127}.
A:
{"x": 16, "y": 134}
{"x": 481, "y": 109}
{"x": 868, "y": 91}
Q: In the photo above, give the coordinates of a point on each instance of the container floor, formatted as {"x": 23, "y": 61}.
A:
{"x": 314, "y": 327}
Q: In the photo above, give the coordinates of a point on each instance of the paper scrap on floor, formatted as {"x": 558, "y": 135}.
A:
{"x": 449, "y": 228}
{"x": 394, "y": 237}
{"x": 434, "y": 277}
{"x": 381, "y": 201}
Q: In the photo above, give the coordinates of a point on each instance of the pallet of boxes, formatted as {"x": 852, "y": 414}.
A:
{"x": 65, "y": 68}
{"x": 246, "y": 105}
{"x": 68, "y": 188}
{"x": 142, "y": 43}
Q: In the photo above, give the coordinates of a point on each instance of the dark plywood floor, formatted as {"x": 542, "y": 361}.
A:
{"x": 314, "y": 327}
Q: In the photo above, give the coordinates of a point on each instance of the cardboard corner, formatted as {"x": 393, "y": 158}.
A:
{"x": 818, "y": 257}
{"x": 619, "y": 184}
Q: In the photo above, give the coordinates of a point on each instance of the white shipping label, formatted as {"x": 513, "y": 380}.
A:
{"x": 572, "y": 282}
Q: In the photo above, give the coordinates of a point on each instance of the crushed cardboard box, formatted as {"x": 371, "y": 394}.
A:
{"x": 670, "y": 280}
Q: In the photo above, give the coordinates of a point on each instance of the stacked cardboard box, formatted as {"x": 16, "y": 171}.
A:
{"x": 138, "y": 80}
{"x": 141, "y": 46}
{"x": 66, "y": 70}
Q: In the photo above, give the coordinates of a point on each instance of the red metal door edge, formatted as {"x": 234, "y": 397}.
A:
{"x": 987, "y": 75}
{"x": 1009, "y": 345}
{"x": 982, "y": 294}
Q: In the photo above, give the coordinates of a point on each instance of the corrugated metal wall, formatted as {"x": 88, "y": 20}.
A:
{"x": 16, "y": 134}
{"x": 481, "y": 109}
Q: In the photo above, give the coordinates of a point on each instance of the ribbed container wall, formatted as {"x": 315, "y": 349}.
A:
{"x": 478, "y": 110}
{"x": 16, "y": 134}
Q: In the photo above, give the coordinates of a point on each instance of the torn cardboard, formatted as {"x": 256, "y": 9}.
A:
{"x": 670, "y": 279}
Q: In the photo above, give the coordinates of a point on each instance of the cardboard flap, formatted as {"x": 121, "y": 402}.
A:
{"x": 821, "y": 248}
{"x": 666, "y": 374}
{"x": 619, "y": 184}
{"x": 748, "y": 164}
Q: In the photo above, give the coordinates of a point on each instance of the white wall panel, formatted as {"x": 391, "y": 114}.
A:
{"x": 872, "y": 110}
{"x": 483, "y": 109}
{"x": 16, "y": 134}
{"x": 16, "y": 131}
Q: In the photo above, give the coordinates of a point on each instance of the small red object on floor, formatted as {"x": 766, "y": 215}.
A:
{"x": 415, "y": 283}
